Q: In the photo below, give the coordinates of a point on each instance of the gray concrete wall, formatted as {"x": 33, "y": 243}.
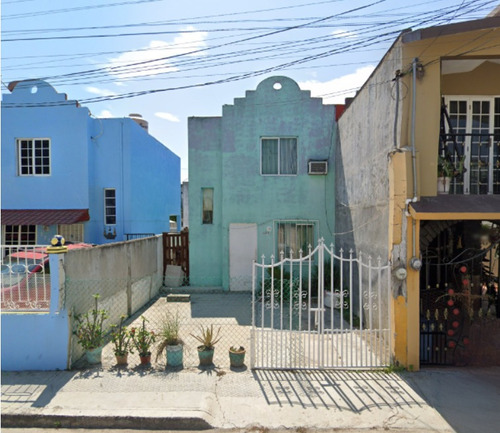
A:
{"x": 366, "y": 131}
{"x": 126, "y": 275}
{"x": 366, "y": 138}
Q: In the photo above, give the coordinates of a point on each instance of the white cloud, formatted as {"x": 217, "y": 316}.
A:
{"x": 97, "y": 91}
{"x": 105, "y": 113}
{"x": 167, "y": 116}
{"x": 335, "y": 91}
{"x": 154, "y": 54}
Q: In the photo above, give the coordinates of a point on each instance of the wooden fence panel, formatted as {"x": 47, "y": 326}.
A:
{"x": 176, "y": 250}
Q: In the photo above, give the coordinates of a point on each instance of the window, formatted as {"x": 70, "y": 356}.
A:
{"x": 33, "y": 156}
{"x": 109, "y": 206}
{"x": 71, "y": 232}
{"x": 20, "y": 235}
{"x": 279, "y": 156}
{"x": 295, "y": 236}
{"x": 208, "y": 205}
{"x": 476, "y": 127}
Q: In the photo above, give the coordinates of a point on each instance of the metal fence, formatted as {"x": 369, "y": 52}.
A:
{"x": 25, "y": 278}
{"x": 228, "y": 313}
{"x": 321, "y": 310}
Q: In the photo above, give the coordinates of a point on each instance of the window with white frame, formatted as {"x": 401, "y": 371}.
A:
{"x": 19, "y": 234}
{"x": 208, "y": 205}
{"x": 33, "y": 156}
{"x": 295, "y": 236}
{"x": 110, "y": 206}
{"x": 278, "y": 156}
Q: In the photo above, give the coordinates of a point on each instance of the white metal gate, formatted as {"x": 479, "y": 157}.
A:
{"x": 321, "y": 310}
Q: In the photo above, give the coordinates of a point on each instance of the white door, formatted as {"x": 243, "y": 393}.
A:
{"x": 242, "y": 253}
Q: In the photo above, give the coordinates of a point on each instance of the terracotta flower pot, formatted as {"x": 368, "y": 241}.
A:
{"x": 122, "y": 359}
{"x": 145, "y": 359}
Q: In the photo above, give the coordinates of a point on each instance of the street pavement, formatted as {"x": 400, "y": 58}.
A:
{"x": 465, "y": 400}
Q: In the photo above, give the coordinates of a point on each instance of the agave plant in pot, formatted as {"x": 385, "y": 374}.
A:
{"x": 121, "y": 338}
{"x": 171, "y": 343}
{"x": 143, "y": 339}
{"x": 90, "y": 331}
{"x": 208, "y": 340}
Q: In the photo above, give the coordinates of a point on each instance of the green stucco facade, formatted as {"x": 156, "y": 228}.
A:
{"x": 225, "y": 154}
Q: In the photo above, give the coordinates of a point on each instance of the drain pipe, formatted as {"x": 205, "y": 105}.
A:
{"x": 415, "y": 262}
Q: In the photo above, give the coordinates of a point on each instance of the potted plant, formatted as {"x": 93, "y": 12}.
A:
{"x": 120, "y": 337}
{"x": 142, "y": 340}
{"x": 237, "y": 356}
{"x": 446, "y": 170}
{"x": 208, "y": 340}
{"x": 171, "y": 343}
{"x": 90, "y": 333}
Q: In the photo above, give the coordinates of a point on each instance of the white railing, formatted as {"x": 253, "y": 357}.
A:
{"x": 321, "y": 310}
{"x": 25, "y": 278}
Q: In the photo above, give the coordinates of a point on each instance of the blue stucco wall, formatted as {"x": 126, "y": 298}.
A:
{"x": 225, "y": 152}
{"x": 144, "y": 172}
{"x": 37, "y": 341}
{"x": 66, "y": 126}
{"x": 34, "y": 341}
{"x": 87, "y": 155}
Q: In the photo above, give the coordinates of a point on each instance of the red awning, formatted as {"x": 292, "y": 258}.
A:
{"x": 44, "y": 217}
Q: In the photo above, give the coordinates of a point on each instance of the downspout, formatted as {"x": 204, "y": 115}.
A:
{"x": 415, "y": 262}
{"x": 122, "y": 180}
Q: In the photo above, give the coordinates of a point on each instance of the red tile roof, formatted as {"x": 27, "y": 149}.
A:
{"x": 44, "y": 217}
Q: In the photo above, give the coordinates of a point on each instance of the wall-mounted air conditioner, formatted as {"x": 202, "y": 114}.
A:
{"x": 318, "y": 167}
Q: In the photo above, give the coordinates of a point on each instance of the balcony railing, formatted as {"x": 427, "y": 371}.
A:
{"x": 481, "y": 174}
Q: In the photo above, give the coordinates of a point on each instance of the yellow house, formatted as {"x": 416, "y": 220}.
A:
{"x": 418, "y": 181}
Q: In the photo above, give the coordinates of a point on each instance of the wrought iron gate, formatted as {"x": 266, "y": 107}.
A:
{"x": 320, "y": 310}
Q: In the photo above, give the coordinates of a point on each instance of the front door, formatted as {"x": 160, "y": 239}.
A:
{"x": 242, "y": 253}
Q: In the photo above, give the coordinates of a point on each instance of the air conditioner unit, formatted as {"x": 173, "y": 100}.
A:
{"x": 318, "y": 167}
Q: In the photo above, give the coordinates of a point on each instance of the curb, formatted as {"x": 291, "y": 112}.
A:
{"x": 102, "y": 422}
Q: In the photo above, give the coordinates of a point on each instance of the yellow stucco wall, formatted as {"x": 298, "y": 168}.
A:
{"x": 429, "y": 89}
{"x": 484, "y": 80}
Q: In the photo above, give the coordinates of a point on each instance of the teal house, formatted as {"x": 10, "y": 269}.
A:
{"x": 261, "y": 181}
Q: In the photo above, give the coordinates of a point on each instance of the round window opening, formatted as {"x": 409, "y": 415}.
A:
{"x": 34, "y": 89}
{"x": 277, "y": 86}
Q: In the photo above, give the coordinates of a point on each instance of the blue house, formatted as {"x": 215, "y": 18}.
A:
{"x": 90, "y": 179}
{"x": 261, "y": 181}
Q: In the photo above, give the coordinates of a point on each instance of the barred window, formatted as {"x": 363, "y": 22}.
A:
{"x": 110, "y": 206}
{"x": 33, "y": 156}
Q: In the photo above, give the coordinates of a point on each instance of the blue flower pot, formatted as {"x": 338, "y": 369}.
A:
{"x": 94, "y": 355}
{"x": 237, "y": 359}
{"x": 174, "y": 355}
{"x": 205, "y": 356}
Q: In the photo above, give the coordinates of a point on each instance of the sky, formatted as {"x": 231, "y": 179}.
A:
{"x": 169, "y": 60}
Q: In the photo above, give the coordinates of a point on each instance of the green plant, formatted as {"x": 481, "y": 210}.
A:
{"x": 447, "y": 168}
{"x": 169, "y": 333}
{"x": 89, "y": 327}
{"x": 121, "y": 338}
{"x": 142, "y": 338}
{"x": 207, "y": 338}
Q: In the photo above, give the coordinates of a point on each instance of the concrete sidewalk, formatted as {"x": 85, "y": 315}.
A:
{"x": 214, "y": 398}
